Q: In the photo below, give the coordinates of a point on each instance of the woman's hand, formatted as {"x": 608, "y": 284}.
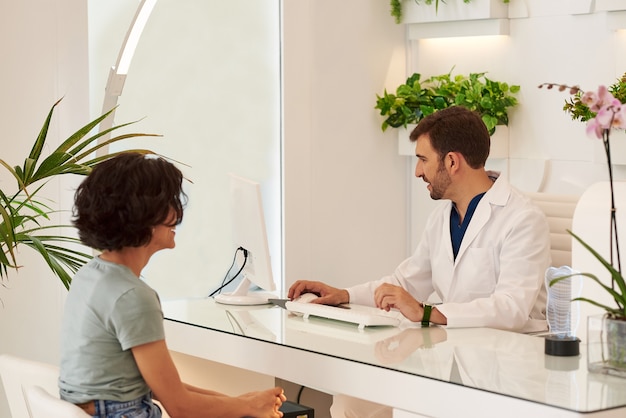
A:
{"x": 265, "y": 403}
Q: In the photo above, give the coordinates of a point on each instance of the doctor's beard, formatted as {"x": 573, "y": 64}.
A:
{"x": 440, "y": 183}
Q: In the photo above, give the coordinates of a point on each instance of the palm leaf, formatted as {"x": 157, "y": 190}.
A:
{"x": 55, "y": 163}
{"x": 51, "y": 260}
{"x": 66, "y": 159}
{"x": 7, "y": 238}
{"x": 61, "y": 260}
{"x": 24, "y": 218}
{"x": 95, "y": 161}
{"x": 35, "y": 152}
{"x": 17, "y": 202}
{"x": 27, "y": 174}
{"x": 17, "y": 176}
{"x": 112, "y": 141}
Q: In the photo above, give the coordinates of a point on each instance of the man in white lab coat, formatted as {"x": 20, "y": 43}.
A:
{"x": 483, "y": 255}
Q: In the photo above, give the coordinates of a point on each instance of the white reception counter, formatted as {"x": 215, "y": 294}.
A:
{"x": 436, "y": 372}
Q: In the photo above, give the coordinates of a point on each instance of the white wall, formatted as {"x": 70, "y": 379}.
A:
{"x": 206, "y": 76}
{"x": 548, "y": 151}
{"x": 345, "y": 185}
{"x": 44, "y": 52}
{"x": 551, "y": 44}
{"x": 37, "y": 70}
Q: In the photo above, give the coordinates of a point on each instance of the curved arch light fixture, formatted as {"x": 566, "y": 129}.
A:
{"x": 117, "y": 73}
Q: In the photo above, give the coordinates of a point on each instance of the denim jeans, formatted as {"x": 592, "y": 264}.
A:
{"x": 138, "y": 408}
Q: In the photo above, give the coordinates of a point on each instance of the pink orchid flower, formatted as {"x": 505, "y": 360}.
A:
{"x": 589, "y": 98}
{"x": 604, "y": 98}
{"x": 610, "y": 113}
{"x": 593, "y": 127}
{"x": 619, "y": 119}
{"x": 605, "y": 117}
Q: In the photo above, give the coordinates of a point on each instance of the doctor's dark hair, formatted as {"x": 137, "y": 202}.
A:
{"x": 123, "y": 198}
{"x": 456, "y": 129}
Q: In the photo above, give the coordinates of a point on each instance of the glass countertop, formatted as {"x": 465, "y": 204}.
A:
{"x": 497, "y": 361}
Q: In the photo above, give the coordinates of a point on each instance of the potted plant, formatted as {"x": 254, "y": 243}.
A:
{"x": 603, "y": 110}
{"x": 580, "y": 110}
{"x": 24, "y": 217}
{"x": 397, "y": 13}
{"x": 416, "y": 99}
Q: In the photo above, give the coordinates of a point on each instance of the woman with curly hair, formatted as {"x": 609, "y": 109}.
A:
{"x": 114, "y": 358}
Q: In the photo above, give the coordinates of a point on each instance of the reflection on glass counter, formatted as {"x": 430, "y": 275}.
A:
{"x": 497, "y": 361}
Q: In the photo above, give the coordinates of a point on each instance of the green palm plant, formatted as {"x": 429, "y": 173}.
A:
{"x": 25, "y": 218}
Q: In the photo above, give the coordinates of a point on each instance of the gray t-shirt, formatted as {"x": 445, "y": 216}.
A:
{"x": 108, "y": 311}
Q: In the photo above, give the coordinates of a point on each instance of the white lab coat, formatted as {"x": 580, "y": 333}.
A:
{"x": 497, "y": 279}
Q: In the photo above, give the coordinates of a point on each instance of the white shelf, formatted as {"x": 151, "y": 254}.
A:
{"x": 455, "y": 18}
{"x": 500, "y": 143}
{"x": 616, "y": 20}
{"x": 453, "y": 10}
{"x": 540, "y": 8}
{"x": 405, "y": 146}
{"x": 610, "y": 5}
{"x": 491, "y": 17}
{"x": 451, "y": 29}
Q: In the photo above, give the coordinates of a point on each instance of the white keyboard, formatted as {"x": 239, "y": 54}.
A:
{"x": 364, "y": 316}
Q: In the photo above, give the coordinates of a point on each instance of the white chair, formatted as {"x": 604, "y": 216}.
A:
{"x": 559, "y": 211}
{"x": 24, "y": 380}
{"x": 20, "y": 375}
{"x": 43, "y": 405}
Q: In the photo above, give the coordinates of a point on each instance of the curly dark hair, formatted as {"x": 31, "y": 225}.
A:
{"x": 456, "y": 129}
{"x": 123, "y": 198}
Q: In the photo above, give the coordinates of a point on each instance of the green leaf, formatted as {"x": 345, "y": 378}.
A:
{"x": 605, "y": 307}
{"x": 486, "y": 103}
{"x": 618, "y": 297}
{"x": 24, "y": 218}
{"x": 491, "y": 99}
{"x": 35, "y": 152}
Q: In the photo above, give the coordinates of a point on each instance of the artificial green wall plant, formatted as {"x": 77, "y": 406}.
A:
{"x": 25, "y": 217}
{"x": 417, "y": 98}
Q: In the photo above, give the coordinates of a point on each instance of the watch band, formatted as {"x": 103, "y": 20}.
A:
{"x": 426, "y": 318}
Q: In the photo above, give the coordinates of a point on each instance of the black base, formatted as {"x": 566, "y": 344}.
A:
{"x": 294, "y": 410}
{"x": 557, "y": 345}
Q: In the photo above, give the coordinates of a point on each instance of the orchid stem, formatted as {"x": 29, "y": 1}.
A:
{"x": 613, "y": 226}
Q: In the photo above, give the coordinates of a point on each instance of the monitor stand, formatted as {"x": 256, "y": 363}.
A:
{"x": 242, "y": 295}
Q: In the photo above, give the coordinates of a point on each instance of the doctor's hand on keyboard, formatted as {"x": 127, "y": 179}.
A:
{"x": 327, "y": 295}
{"x": 363, "y": 316}
{"x": 331, "y": 304}
{"x": 306, "y": 298}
